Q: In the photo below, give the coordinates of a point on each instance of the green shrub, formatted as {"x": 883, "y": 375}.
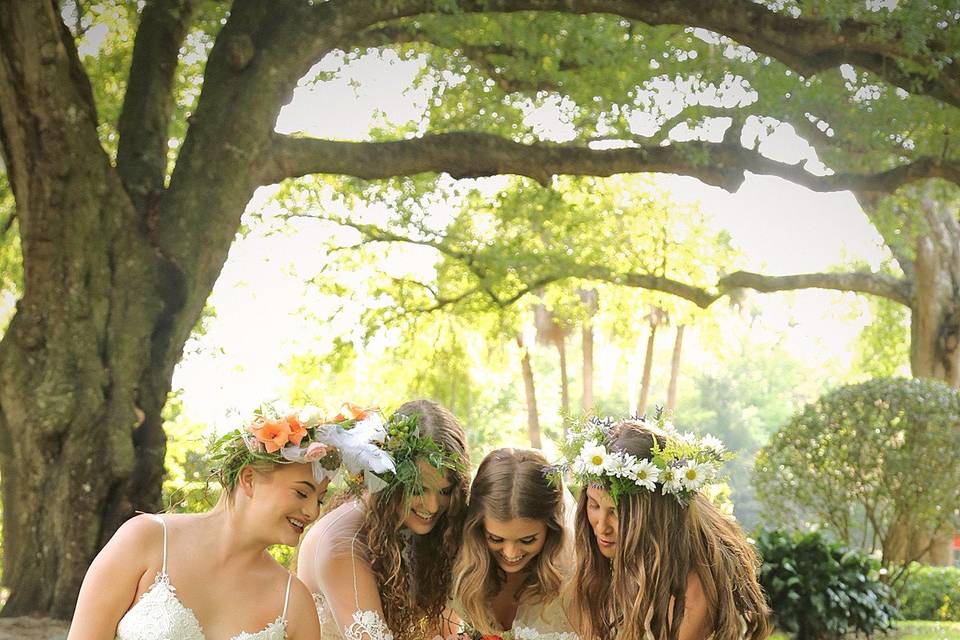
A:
{"x": 877, "y": 463}
{"x": 930, "y": 593}
{"x": 820, "y": 590}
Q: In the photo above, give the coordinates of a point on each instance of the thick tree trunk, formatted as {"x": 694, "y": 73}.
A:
{"x": 79, "y": 420}
{"x": 530, "y": 393}
{"x": 935, "y": 326}
{"x": 674, "y": 371}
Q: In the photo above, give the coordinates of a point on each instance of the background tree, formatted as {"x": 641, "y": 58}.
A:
{"x": 130, "y": 173}
{"x": 858, "y": 461}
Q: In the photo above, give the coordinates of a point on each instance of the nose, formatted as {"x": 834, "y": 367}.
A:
{"x": 510, "y": 549}
{"x": 311, "y": 510}
{"x": 429, "y": 501}
{"x": 607, "y": 524}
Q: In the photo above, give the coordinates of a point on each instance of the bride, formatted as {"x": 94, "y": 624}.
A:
{"x": 165, "y": 577}
{"x": 517, "y": 550}
{"x": 379, "y": 566}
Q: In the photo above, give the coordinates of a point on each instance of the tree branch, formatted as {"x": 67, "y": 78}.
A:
{"x": 149, "y": 99}
{"x": 471, "y": 155}
{"x": 808, "y": 45}
{"x": 871, "y": 283}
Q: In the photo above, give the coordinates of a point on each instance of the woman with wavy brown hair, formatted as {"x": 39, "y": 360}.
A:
{"x": 656, "y": 559}
{"x": 379, "y": 566}
{"x": 516, "y": 551}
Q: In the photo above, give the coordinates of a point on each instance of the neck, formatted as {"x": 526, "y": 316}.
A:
{"x": 235, "y": 540}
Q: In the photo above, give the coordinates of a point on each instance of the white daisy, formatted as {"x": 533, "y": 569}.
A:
{"x": 595, "y": 457}
{"x": 693, "y": 475}
{"x": 620, "y": 464}
{"x": 646, "y": 474}
{"x": 713, "y": 443}
{"x": 670, "y": 478}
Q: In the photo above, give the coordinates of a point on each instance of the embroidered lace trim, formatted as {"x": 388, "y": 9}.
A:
{"x": 367, "y": 625}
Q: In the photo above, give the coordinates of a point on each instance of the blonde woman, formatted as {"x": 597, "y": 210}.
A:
{"x": 208, "y": 575}
{"x": 379, "y": 566}
{"x": 656, "y": 559}
{"x": 516, "y": 552}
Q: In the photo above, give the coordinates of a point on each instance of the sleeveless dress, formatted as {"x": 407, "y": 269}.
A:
{"x": 364, "y": 624}
{"x": 159, "y": 614}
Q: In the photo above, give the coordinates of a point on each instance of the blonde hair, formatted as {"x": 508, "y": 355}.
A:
{"x": 510, "y": 483}
{"x": 642, "y": 592}
{"x": 413, "y": 573}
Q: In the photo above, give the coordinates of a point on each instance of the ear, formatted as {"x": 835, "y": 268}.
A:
{"x": 245, "y": 481}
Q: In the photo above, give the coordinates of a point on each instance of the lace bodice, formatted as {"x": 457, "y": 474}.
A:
{"x": 159, "y": 614}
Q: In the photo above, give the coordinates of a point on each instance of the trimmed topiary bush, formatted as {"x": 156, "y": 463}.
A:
{"x": 877, "y": 464}
{"x": 930, "y": 593}
{"x": 820, "y": 590}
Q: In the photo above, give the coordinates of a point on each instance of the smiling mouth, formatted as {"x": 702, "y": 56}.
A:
{"x": 426, "y": 516}
{"x": 512, "y": 561}
{"x": 298, "y": 525}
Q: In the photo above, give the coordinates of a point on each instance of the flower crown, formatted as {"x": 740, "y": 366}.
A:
{"x": 680, "y": 466}
{"x": 351, "y": 439}
{"x": 406, "y": 445}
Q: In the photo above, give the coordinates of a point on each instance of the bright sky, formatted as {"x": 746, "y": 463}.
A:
{"x": 781, "y": 227}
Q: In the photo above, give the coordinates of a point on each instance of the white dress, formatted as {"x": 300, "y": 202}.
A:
{"x": 363, "y": 624}
{"x": 538, "y": 620}
{"x": 159, "y": 614}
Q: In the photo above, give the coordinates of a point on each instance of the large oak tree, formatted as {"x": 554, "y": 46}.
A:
{"x": 121, "y": 246}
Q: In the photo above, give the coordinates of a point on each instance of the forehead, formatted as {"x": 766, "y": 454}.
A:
{"x": 513, "y": 529}
{"x": 298, "y": 472}
{"x": 600, "y": 496}
{"x": 431, "y": 476}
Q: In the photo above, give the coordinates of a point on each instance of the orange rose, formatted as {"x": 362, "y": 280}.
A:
{"x": 297, "y": 430}
{"x": 350, "y": 411}
{"x": 272, "y": 433}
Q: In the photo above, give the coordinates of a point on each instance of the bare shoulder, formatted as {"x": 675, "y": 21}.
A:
{"x": 697, "y": 617}
{"x": 302, "y": 612}
{"x": 139, "y": 537}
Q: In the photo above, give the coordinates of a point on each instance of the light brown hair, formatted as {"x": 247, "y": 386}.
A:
{"x": 413, "y": 573}
{"x": 510, "y": 483}
{"x": 659, "y": 544}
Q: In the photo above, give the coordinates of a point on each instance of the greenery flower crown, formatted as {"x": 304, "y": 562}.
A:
{"x": 680, "y": 467}
{"x": 406, "y": 445}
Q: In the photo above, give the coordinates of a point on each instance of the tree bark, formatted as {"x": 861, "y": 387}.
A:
{"x": 644, "y": 396}
{"x": 561, "y": 344}
{"x": 674, "y": 371}
{"x": 589, "y": 298}
{"x": 530, "y": 394}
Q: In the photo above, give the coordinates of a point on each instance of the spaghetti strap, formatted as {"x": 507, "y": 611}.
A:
{"x": 286, "y": 598}
{"x": 164, "y": 525}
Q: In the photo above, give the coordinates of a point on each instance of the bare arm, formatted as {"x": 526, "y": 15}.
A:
{"x": 350, "y": 589}
{"x": 112, "y": 581}
{"x": 696, "y": 617}
{"x": 302, "y": 621}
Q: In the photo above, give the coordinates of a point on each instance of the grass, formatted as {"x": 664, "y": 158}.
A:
{"x": 911, "y": 630}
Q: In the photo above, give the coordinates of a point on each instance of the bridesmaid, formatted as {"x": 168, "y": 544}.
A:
{"x": 192, "y": 576}
{"x": 656, "y": 559}
{"x": 379, "y": 565}
{"x": 517, "y": 549}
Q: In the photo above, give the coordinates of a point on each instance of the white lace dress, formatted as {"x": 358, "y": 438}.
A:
{"x": 363, "y": 624}
{"x": 159, "y": 614}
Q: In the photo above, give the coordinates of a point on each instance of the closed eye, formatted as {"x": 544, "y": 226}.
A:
{"x": 301, "y": 494}
{"x": 494, "y": 539}
{"x": 529, "y": 540}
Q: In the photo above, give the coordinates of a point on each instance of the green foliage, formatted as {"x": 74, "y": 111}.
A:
{"x": 820, "y": 590}
{"x": 858, "y": 461}
{"x": 883, "y": 347}
{"x": 187, "y": 486}
{"x": 930, "y": 593}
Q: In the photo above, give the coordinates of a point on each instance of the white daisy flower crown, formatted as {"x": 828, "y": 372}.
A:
{"x": 680, "y": 467}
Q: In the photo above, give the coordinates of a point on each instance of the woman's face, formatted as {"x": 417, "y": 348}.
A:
{"x": 602, "y": 515}
{"x": 514, "y": 543}
{"x": 425, "y": 509}
{"x": 287, "y": 499}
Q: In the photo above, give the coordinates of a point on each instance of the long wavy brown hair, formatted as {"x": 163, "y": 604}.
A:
{"x": 414, "y": 572}
{"x": 659, "y": 544}
{"x": 510, "y": 483}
